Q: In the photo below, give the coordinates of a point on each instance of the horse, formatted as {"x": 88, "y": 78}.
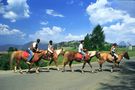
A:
{"x": 54, "y": 57}
{"x": 109, "y": 58}
{"x": 70, "y": 56}
{"x": 23, "y": 55}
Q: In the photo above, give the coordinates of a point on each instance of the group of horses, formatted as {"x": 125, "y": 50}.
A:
{"x": 68, "y": 57}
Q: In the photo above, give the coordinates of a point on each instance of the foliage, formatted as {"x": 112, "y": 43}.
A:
{"x": 4, "y": 62}
{"x": 96, "y": 40}
{"x": 11, "y": 49}
{"x": 87, "y": 42}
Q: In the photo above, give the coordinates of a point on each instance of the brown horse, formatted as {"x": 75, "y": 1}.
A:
{"x": 54, "y": 57}
{"x": 71, "y": 56}
{"x": 108, "y": 57}
{"x": 23, "y": 55}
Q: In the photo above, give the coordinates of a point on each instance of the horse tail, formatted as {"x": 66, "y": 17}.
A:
{"x": 11, "y": 60}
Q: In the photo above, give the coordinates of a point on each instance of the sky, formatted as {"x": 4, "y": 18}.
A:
{"x": 22, "y": 21}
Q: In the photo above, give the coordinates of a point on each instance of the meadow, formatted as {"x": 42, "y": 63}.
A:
{"x": 4, "y": 59}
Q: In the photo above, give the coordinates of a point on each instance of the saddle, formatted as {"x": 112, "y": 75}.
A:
{"x": 48, "y": 55}
{"x": 25, "y": 54}
{"x": 78, "y": 56}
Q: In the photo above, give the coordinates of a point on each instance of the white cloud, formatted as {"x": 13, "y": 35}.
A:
{"x": 5, "y": 30}
{"x": 44, "y": 22}
{"x": 47, "y": 33}
{"x": 53, "y": 13}
{"x": 16, "y": 9}
{"x": 55, "y": 33}
{"x": 70, "y": 37}
{"x": 118, "y": 24}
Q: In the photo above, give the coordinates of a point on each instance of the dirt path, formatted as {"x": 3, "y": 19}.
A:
{"x": 57, "y": 80}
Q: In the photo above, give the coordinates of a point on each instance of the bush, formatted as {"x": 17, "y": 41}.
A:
{"x": 4, "y": 62}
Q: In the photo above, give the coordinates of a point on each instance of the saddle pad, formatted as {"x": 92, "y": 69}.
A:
{"x": 78, "y": 56}
{"x": 25, "y": 54}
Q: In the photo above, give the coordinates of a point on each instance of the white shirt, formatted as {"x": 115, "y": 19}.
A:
{"x": 113, "y": 50}
{"x": 80, "y": 47}
{"x": 34, "y": 44}
{"x": 50, "y": 48}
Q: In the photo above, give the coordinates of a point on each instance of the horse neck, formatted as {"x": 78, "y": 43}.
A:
{"x": 120, "y": 56}
{"x": 58, "y": 51}
{"x": 40, "y": 54}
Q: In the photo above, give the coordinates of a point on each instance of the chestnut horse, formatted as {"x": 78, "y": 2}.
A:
{"x": 70, "y": 56}
{"x": 108, "y": 57}
{"x": 23, "y": 55}
{"x": 54, "y": 57}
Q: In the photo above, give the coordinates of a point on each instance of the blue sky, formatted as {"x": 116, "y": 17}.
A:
{"x": 22, "y": 21}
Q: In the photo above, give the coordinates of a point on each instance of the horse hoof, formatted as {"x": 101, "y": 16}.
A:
{"x": 20, "y": 72}
{"x": 37, "y": 72}
{"x": 15, "y": 71}
{"x": 63, "y": 70}
{"x": 82, "y": 71}
{"x": 72, "y": 70}
{"x": 100, "y": 70}
{"x": 111, "y": 70}
{"x": 92, "y": 71}
{"x": 58, "y": 69}
{"x": 48, "y": 69}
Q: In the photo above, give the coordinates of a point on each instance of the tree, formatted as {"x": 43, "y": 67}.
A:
{"x": 87, "y": 42}
{"x": 97, "y": 38}
{"x": 10, "y": 49}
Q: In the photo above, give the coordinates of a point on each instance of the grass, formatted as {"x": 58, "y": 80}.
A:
{"x": 4, "y": 59}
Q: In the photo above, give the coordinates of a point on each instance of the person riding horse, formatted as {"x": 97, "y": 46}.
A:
{"x": 50, "y": 49}
{"x": 113, "y": 53}
{"x": 81, "y": 49}
{"x": 33, "y": 48}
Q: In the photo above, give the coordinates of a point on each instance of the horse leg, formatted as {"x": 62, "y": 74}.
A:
{"x": 84, "y": 63}
{"x": 70, "y": 63}
{"x": 90, "y": 66}
{"x": 49, "y": 64}
{"x": 15, "y": 67}
{"x": 65, "y": 63}
{"x": 37, "y": 67}
{"x": 18, "y": 65}
{"x": 114, "y": 66}
{"x": 100, "y": 65}
{"x": 56, "y": 63}
{"x": 29, "y": 68}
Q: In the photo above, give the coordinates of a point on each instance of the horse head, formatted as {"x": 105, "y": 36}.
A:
{"x": 125, "y": 55}
{"x": 97, "y": 54}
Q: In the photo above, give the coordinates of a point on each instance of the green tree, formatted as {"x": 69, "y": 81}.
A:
{"x": 87, "y": 42}
{"x": 97, "y": 38}
{"x": 10, "y": 49}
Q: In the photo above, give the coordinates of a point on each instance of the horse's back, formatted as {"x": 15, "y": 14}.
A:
{"x": 106, "y": 56}
{"x": 69, "y": 54}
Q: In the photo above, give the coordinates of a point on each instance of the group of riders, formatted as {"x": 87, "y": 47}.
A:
{"x": 34, "y": 48}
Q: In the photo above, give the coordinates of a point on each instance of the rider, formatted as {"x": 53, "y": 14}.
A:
{"x": 112, "y": 51}
{"x": 50, "y": 47}
{"x": 81, "y": 49}
{"x": 33, "y": 48}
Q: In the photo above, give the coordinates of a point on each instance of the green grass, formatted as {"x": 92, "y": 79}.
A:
{"x": 4, "y": 59}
